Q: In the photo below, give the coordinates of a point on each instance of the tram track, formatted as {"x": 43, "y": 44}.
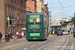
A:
{"x": 50, "y": 43}
{"x": 53, "y": 37}
{"x": 63, "y": 44}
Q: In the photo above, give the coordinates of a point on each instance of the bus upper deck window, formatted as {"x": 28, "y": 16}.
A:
{"x": 38, "y": 20}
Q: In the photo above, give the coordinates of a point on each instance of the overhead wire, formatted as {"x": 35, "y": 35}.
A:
{"x": 60, "y": 3}
{"x": 62, "y": 7}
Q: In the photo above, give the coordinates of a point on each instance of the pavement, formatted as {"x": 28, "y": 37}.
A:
{"x": 13, "y": 40}
{"x": 53, "y": 42}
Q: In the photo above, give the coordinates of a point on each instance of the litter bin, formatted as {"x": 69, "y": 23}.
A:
{"x": 7, "y": 39}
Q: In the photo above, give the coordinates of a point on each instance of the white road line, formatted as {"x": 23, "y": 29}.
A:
{"x": 32, "y": 46}
{"x": 38, "y": 43}
{"x": 44, "y": 42}
{"x": 11, "y": 49}
{"x": 27, "y": 43}
{"x": 72, "y": 46}
{"x": 48, "y": 44}
{"x": 25, "y": 48}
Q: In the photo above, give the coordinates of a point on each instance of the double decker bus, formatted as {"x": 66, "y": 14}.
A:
{"x": 36, "y": 26}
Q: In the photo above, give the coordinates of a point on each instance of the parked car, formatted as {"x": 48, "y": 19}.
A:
{"x": 66, "y": 33}
{"x": 59, "y": 33}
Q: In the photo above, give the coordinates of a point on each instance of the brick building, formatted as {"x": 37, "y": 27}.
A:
{"x": 31, "y": 5}
{"x": 47, "y": 13}
{"x": 6, "y": 10}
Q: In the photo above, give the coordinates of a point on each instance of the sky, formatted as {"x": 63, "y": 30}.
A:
{"x": 58, "y": 12}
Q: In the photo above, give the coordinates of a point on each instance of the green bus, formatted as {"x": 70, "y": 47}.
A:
{"x": 36, "y": 26}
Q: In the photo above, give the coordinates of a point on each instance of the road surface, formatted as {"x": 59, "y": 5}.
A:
{"x": 53, "y": 42}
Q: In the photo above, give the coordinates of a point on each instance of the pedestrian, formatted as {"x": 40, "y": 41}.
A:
{"x": 0, "y": 36}
{"x": 20, "y": 35}
{"x": 11, "y": 35}
{"x": 71, "y": 33}
{"x": 17, "y": 33}
{"x": 25, "y": 34}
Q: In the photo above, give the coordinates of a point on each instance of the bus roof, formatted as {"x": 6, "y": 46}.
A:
{"x": 34, "y": 13}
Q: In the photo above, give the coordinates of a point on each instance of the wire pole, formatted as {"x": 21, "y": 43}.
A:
{"x": 49, "y": 19}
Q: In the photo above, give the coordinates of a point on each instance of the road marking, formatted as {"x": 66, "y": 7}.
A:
{"x": 22, "y": 46}
{"x": 11, "y": 49}
{"x": 25, "y": 48}
{"x": 48, "y": 44}
{"x": 32, "y": 46}
{"x": 38, "y": 43}
{"x": 72, "y": 46}
{"x": 44, "y": 41}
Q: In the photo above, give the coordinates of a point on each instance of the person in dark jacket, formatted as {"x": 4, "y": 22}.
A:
{"x": 0, "y": 36}
{"x": 24, "y": 34}
{"x": 11, "y": 35}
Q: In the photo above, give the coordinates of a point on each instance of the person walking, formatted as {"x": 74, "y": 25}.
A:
{"x": 17, "y": 33}
{"x": 71, "y": 33}
{"x": 25, "y": 34}
{"x": 0, "y": 36}
{"x": 20, "y": 35}
{"x": 11, "y": 35}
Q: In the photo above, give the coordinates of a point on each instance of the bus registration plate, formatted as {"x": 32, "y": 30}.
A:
{"x": 34, "y": 38}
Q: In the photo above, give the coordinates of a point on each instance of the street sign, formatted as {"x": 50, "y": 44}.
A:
{"x": 7, "y": 18}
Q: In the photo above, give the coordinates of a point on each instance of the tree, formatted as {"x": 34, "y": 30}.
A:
{"x": 73, "y": 20}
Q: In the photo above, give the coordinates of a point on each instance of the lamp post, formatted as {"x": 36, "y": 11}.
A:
{"x": 12, "y": 15}
{"x": 22, "y": 11}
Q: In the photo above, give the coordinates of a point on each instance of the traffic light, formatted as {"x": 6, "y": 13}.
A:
{"x": 13, "y": 24}
{"x": 10, "y": 23}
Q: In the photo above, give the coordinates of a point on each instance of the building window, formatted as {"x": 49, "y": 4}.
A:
{"x": 15, "y": 1}
{"x": 6, "y": 10}
{"x": 60, "y": 22}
